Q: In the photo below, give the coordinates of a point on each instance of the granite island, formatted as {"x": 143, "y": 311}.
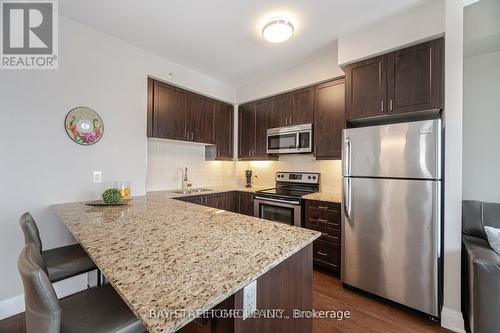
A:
{"x": 171, "y": 261}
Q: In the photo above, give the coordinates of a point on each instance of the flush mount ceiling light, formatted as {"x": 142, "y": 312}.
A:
{"x": 277, "y": 30}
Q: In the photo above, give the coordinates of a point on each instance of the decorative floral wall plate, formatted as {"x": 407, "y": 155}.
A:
{"x": 84, "y": 125}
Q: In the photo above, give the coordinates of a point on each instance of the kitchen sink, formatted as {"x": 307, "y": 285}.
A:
{"x": 194, "y": 190}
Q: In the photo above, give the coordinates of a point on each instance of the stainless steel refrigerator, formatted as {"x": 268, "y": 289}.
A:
{"x": 392, "y": 212}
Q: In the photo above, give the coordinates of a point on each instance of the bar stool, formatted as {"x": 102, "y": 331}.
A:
{"x": 62, "y": 262}
{"x": 96, "y": 310}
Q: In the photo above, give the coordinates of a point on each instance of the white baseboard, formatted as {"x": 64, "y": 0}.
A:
{"x": 15, "y": 305}
{"x": 452, "y": 320}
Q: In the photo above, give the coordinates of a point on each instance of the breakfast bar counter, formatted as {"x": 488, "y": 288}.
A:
{"x": 165, "y": 256}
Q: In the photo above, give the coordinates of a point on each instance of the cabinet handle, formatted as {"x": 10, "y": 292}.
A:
{"x": 390, "y": 105}
{"x": 290, "y": 122}
{"x": 323, "y": 207}
{"x": 382, "y": 106}
{"x": 322, "y": 253}
{"x": 322, "y": 220}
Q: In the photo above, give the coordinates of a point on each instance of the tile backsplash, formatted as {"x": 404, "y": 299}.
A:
{"x": 166, "y": 160}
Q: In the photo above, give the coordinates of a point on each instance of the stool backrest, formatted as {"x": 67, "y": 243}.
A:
{"x": 30, "y": 230}
{"x": 42, "y": 308}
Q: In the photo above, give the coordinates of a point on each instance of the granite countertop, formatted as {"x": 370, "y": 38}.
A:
{"x": 163, "y": 254}
{"x": 318, "y": 196}
{"x": 324, "y": 196}
{"x": 216, "y": 189}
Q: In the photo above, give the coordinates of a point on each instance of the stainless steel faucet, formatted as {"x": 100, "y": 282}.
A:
{"x": 186, "y": 185}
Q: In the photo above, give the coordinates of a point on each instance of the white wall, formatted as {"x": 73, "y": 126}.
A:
{"x": 410, "y": 27}
{"x": 41, "y": 166}
{"x": 481, "y": 138}
{"x": 322, "y": 67}
{"x": 451, "y": 316}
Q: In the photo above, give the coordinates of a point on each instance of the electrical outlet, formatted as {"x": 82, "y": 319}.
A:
{"x": 97, "y": 177}
{"x": 249, "y": 299}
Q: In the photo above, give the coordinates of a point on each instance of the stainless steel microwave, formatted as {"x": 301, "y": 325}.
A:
{"x": 290, "y": 139}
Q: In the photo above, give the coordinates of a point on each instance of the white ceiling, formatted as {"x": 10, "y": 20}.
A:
{"x": 221, "y": 38}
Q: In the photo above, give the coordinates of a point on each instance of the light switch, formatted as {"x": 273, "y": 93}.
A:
{"x": 249, "y": 299}
{"x": 97, "y": 177}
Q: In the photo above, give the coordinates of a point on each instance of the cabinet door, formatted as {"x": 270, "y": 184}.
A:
{"x": 223, "y": 130}
{"x": 329, "y": 119}
{"x": 199, "y": 121}
{"x": 169, "y": 112}
{"x": 150, "y": 106}
{"x": 196, "y": 199}
{"x": 366, "y": 88}
{"x": 246, "y": 125}
{"x": 415, "y": 78}
{"x": 262, "y": 109}
{"x": 280, "y": 111}
{"x": 246, "y": 203}
{"x": 302, "y": 106}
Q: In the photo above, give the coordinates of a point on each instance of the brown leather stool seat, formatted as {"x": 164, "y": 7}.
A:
{"x": 62, "y": 262}
{"x": 93, "y": 310}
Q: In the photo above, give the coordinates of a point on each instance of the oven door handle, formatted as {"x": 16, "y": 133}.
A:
{"x": 278, "y": 200}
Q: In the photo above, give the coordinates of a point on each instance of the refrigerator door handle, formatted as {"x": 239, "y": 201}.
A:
{"x": 347, "y": 156}
{"x": 347, "y": 197}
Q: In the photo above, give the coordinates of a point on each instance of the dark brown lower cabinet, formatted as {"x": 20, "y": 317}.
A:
{"x": 233, "y": 201}
{"x": 225, "y": 201}
{"x": 293, "y": 292}
{"x": 196, "y": 199}
{"x": 245, "y": 203}
{"x": 325, "y": 217}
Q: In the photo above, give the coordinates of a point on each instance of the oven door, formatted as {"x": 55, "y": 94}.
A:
{"x": 283, "y": 211}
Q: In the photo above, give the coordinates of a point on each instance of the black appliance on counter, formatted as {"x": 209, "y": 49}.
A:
{"x": 284, "y": 202}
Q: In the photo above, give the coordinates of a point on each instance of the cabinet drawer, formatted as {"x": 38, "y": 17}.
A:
{"x": 328, "y": 231}
{"x": 325, "y": 217}
{"x": 323, "y": 206}
{"x": 326, "y": 253}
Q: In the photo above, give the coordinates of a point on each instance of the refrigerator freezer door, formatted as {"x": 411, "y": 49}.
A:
{"x": 405, "y": 150}
{"x": 390, "y": 240}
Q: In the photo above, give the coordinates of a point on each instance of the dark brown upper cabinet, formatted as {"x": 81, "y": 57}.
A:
{"x": 178, "y": 114}
{"x": 199, "y": 120}
{"x": 279, "y": 111}
{"x": 323, "y": 105}
{"x": 415, "y": 78}
{"x": 302, "y": 102}
{"x": 169, "y": 112}
{"x": 246, "y": 130}
{"x": 408, "y": 80}
{"x": 253, "y": 124}
{"x": 366, "y": 88}
{"x": 292, "y": 108}
{"x": 223, "y": 130}
{"x": 261, "y": 125}
{"x": 329, "y": 119}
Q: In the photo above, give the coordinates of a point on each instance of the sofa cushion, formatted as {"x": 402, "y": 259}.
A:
{"x": 472, "y": 218}
{"x": 477, "y": 214}
{"x": 493, "y": 235}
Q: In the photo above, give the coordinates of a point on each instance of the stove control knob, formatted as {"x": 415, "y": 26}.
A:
{"x": 314, "y": 177}
{"x": 308, "y": 177}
